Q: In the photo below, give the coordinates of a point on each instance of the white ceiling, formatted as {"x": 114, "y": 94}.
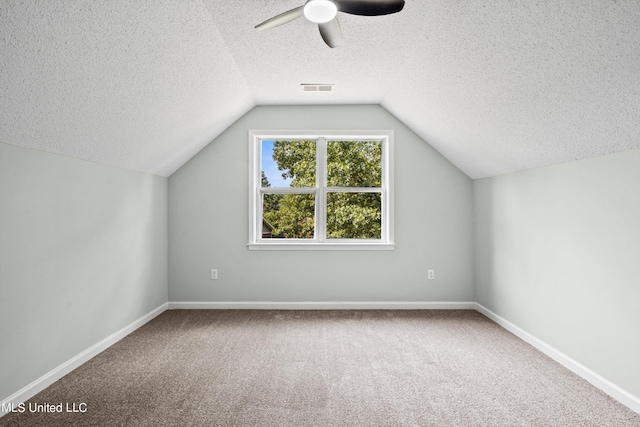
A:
{"x": 496, "y": 86}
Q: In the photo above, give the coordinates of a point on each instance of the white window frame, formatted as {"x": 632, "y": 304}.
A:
{"x": 256, "y": 242}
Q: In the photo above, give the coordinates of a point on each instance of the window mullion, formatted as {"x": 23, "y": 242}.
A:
{"x": 354, "y": 189}
{"x": 321, "y": 184}
{"x": 287, "y": 190}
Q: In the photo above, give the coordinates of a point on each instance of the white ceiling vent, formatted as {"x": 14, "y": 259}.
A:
{"x": 316, "y": 87}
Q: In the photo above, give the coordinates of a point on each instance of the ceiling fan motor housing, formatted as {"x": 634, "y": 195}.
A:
{"x": 320, "y": 11}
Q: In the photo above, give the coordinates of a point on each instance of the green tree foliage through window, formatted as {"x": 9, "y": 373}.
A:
{"x": 297, "y": 160}
{"x": 352, "y": 165}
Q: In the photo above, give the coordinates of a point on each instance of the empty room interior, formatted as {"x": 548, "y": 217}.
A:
{"x": 346, "y": 212}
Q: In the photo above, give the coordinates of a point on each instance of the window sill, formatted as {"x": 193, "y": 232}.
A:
{"x": 321, "y": 246}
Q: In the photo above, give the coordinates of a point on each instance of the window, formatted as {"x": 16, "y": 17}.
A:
{"x": 321, "y": 190}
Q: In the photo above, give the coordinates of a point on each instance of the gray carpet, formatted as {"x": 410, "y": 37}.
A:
{"x": 324, "y": 368}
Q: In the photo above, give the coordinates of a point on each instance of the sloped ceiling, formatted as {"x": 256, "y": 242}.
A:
{"x": 496, "y": 86}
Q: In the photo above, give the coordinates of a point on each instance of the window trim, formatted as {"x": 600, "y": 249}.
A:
{"x": 256, "y": 242}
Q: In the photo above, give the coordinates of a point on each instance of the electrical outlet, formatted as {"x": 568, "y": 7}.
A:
{"x": 431, "y": 275}
{"x": 214, "y": 274}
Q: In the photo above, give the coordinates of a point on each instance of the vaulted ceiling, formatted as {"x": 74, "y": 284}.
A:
{"x": 496, "y": 86}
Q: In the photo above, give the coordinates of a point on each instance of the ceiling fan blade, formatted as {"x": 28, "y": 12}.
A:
{"x": 369, "y": 7}
{"x": 282, "y": 19}
{"x": 331, "y": 33}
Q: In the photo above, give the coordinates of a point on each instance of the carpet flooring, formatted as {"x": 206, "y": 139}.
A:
{"x": 322, "y": 368}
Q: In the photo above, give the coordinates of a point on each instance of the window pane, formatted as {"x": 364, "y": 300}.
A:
{"x": 354, "y": 216}
{"x": 354, "y": 163}
{"x": 288, "y": 163}
{"x": 288, "y": 216}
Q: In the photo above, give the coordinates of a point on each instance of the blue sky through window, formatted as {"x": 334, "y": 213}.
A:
{"x": 270, "y": 167}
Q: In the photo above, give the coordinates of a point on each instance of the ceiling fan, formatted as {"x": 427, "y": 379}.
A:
{"x": 323, "y": 12}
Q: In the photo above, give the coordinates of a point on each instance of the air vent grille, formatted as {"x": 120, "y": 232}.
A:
{"x": 317, "y": 87}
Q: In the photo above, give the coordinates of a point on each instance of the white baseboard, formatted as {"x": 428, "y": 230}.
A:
{"x": 322, "y": 305}
{"x": 50, "y": 377}
{"x": 602, "y": 383}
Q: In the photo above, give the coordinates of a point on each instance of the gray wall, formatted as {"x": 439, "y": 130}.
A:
{"x": 83, "y": 253}
{"x": 558, "y": 254}
{"x": 83, "y": 247}
{"x": 208, "y": 221}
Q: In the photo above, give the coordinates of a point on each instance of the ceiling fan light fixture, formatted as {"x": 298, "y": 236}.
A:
{"x": 320, "y": 11}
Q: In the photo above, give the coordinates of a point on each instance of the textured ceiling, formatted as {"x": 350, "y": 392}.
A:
{"x": 496, "y": 86}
